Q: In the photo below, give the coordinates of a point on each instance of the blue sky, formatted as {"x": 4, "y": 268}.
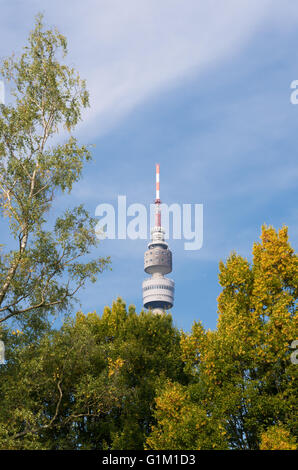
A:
{"x": 203, "y": 88}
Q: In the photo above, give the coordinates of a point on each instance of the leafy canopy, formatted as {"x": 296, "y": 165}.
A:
{"x": 46, "y": 267}
{"x": 244, "y": 385}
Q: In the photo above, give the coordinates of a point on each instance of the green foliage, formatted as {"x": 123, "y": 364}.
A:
{"x": 90, "y": 385}
{"x": 277, "y": 438}
{"x": 183, "y": 423}
{"x": 128, "y": 381}
{"x": 43, "y": 272}
{"x": 242, "y": 376}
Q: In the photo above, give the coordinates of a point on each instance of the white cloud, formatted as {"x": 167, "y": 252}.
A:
{"x": 129, "y": 49}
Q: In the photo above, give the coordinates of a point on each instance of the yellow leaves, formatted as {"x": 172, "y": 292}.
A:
{"x": 182, "y": 423}
{"x": 194, "y": 345}
{"x": 277, "y": 438}
{"x": 274, "y": 257}
{"x": 188, "y": 346}
{"x": 256, "y": 317}
{"x": 17, "y": 332}
{"x": 93, "y": 316}
{"x": 235, "y": 274}
{"x": 114, "y": 366}
{"x": 80, "y": 318}
{"x": 171, "y": 401}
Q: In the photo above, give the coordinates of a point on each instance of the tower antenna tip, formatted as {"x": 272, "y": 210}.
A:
{"x": 157, "y": 199}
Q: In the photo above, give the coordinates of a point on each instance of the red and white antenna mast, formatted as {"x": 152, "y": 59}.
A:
{"x": 157, "y": 199}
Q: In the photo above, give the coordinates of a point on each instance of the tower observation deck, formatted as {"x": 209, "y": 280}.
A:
{"x": 158, "y": 290}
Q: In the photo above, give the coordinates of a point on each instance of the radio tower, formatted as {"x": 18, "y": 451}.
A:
{"x": 158, "y": 291}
